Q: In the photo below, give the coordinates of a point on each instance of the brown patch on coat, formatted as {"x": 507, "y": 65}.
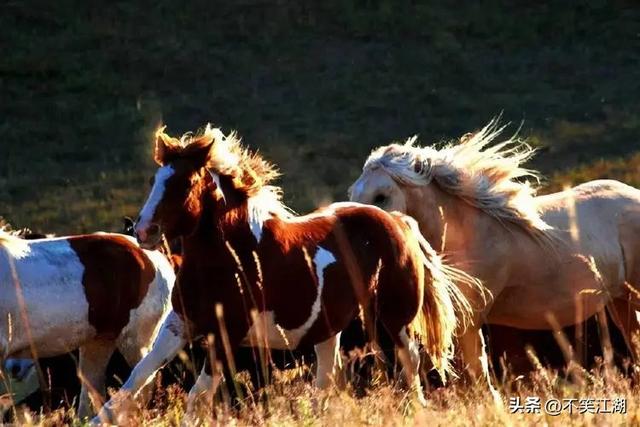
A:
{"x": 116, "y": 278}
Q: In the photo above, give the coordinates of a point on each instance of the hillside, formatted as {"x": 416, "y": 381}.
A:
{"x": 314, "y": 87}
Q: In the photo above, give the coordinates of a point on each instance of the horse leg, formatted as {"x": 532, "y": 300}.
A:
{"x": 623, "y": 313}
{"x": 94, "y": 357}
{"x": 409, "y": 356}
{"x": 476, "y": 362}
{"x": 205, "y": 386}
{"x": 623, "y": 310}
{"x": 133, "y": 352}
{"x": 329, "y": 362}
{"x": 170, "y": 340}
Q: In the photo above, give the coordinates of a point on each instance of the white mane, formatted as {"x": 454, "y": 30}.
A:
{"x": 264, "y": 205}
{"x": 251, "y": 173}
{"x": 485, "y": 175}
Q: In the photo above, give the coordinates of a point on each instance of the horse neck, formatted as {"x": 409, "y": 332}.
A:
{"x": 218, "y": 228}
{"x": 454, "y": 227}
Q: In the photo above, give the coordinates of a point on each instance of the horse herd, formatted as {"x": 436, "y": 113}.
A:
{"x": 434, "y": 244}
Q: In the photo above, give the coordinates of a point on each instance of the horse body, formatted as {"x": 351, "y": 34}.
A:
{"x": 298, "y": 259}
{"x": 253, "y": 274}
{"x": 94, "y": 292}
{"x": 548, "y": 261}
{"x": 590, "y": 266}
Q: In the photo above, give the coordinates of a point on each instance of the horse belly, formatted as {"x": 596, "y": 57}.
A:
{"x": 58, "y": 322}
{"x": 521, "y": 308}
{"x": 47, "y": 305}
{"x": 265, "y": 332}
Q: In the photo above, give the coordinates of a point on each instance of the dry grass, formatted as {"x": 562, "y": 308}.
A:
{"x": 292, "y": 401}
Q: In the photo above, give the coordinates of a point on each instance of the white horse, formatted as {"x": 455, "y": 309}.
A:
{"x": 94, "y": 292}
{"x": 549, "y": 261}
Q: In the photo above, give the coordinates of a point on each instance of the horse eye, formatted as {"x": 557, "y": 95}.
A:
{"x": 380, "y": 199}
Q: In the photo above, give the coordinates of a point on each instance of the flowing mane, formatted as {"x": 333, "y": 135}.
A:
{"x": 250, "y": 172}
{"x": 485, "y": 175}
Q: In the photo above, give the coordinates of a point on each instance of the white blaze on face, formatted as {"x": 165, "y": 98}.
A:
{"x": 155, "y": 196}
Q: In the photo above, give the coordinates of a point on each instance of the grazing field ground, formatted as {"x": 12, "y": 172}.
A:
{"x": 602, "y": 397}
{"x": 313, "y": 85}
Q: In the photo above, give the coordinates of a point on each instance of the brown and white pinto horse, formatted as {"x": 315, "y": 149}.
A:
{"x": 254, "y": 274}
{"x": 94, "y": 292}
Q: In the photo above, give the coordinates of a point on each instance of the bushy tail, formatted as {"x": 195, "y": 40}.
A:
{"x": 445, "y": 310}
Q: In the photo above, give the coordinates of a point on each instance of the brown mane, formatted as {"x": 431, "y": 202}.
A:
{"x": 225, "y": 155}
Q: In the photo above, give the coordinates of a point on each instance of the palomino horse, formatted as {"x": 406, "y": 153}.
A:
{"x": 255, "y": 274}
{"x": 549, "y": 261}
{"x": 95, "y": 292}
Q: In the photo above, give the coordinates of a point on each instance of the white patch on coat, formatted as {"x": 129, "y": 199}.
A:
{"x": 49, "y": 277}
{"x": 275, "y": 336}
{"x": 205, "y": 386}
{"x": 216, "y": 179}
{"x": 136, "y": 338}
{"x": 329, "y": 361}
{"x": 258, "y": 215}
{"x": 157, "y": 192}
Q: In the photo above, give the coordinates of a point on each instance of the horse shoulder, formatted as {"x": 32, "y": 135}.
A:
{"x": 629, "y": 235}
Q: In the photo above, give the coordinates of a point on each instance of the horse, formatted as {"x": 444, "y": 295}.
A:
{"x": 259, "y": 373}
{"x": 94, "y": 292}
{"x": 255, "y": 274}
{"x": 549, "y": 261}
{"x": 62, "y": 385}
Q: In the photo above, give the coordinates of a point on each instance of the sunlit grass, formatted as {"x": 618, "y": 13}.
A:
{"x": 292, "y": 401}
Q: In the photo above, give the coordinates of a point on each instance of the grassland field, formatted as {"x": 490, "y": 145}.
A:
{"x": 312, "y": 86}
{"x": 315, "y": 86}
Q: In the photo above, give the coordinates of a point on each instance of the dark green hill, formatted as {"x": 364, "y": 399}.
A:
{"x": 314, "y": 87}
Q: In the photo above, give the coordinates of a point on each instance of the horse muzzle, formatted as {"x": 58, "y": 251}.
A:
{"x": 148, "y": 236}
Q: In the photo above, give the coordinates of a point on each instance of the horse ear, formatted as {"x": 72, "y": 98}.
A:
{"x": 216, "y": 178}
{"x": 161, "y": 148}
{"x": 199, "y": 153}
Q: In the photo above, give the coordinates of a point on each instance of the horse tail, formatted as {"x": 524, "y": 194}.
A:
{"x": 444, "y": 309}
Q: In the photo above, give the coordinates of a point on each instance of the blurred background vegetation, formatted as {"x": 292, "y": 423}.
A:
{"x": 313, "y": 85}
